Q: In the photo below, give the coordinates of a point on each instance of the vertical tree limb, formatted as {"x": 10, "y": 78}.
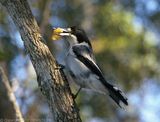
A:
{"x": 51, "y": 79}
{"x": 8, "y": 106}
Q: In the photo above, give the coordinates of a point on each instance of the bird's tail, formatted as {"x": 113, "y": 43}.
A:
{"x": 116, "y": 94}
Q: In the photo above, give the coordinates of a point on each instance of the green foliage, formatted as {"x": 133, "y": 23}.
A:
{"x": 7, "y": 49}
{"x": 120, "y": 50}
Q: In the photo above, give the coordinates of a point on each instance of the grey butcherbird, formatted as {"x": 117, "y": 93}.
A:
{"x": 81, "y": 64}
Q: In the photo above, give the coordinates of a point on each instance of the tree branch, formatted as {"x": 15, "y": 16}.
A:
{"x": 51, "y": 79}
{"x": 8, "y": 106}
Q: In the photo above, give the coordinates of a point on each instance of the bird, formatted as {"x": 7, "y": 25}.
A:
{"x": 82, "y": 67}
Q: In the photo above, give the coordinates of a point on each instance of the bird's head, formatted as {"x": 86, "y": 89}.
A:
{"x": 73, "y": 35}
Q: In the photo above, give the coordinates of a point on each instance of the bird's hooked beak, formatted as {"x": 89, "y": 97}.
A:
{"x": 60, "y": 32}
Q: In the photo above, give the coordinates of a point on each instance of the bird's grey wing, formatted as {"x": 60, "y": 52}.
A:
{"x": 85, "y": 54}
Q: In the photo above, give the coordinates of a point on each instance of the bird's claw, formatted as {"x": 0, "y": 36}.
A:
{"x": 60, "y": 66}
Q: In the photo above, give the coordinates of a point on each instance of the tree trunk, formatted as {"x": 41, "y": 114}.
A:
{"x": 51, "y": 79}
{"x": 8, "y": 106}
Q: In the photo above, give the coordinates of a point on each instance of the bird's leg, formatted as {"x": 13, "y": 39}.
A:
{"x": 75, "y": 96}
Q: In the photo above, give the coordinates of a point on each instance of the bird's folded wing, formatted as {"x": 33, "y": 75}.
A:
{"x": 84, "y": 54}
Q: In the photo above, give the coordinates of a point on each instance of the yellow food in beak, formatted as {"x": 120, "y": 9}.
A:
{"x": 56, "y": 34}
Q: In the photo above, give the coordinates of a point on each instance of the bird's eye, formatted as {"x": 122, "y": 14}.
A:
{"x": 65, "y": 32}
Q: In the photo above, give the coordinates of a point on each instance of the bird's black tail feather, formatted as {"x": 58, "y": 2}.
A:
{"x": 116, "y": 94}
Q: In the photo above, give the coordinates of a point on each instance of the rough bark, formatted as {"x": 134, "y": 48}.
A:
{"x": 8, "y": 106}
{"x": 51, "y": 79}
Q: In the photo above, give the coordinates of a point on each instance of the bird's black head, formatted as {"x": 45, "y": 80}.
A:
{"x": 80, "y": 35}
